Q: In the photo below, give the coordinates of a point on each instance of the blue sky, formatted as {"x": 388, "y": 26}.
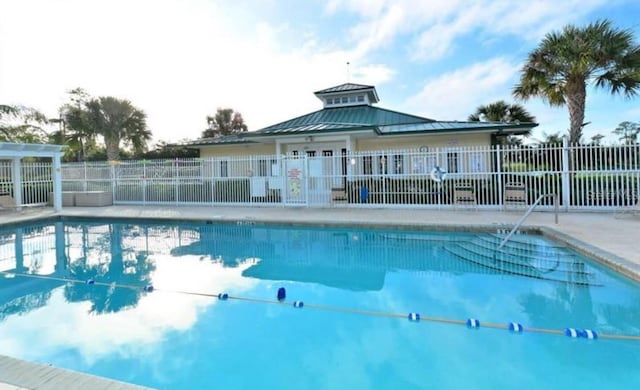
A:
{"x": 179, "y": 60}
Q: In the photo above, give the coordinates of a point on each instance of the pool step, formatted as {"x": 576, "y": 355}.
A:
{"x": 537, "y": 266}
{"x": 530, "y": 251}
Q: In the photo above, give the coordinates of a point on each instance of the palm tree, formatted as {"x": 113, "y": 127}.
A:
{"x": 117, "y": 121}
{"x": 627, "y": 132}
{"x": 564, "y": 63}
{"x": 501, "y": 111}
{"x": 79, "y": 135}
{"x": 224, "y": 122}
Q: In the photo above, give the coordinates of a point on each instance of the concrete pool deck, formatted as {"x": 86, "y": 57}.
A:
{"x": 610, "y": 238}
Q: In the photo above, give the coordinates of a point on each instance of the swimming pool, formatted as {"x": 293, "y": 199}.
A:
{"x": 358, "y": 286}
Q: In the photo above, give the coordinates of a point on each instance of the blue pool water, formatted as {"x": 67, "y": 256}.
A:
{"x": 169, "y": 339}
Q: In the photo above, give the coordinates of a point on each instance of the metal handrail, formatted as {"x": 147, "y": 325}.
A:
{"x": 529, "y": 211}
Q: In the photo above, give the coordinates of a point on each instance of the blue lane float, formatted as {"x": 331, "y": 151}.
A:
{"x": 571, "y": 332}
{"x": 90, "y": 281}
{"x": 298, "y": 304}
{"x": 148, "y": 288}
{"x": 515, "y": 327}
{"x": 589, "y": 334}
{"x": 414, "y": 317}
{"x": 282, "y": 294}
{"x": 223, "y": 296}
{"x": 473, "y": 323}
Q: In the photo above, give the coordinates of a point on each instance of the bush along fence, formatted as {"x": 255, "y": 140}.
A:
{"x": 583, "y": 178}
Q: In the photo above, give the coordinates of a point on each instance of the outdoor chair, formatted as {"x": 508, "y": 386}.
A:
{"x": 338, "y": 195}
{"x": 464, "y": 195}
{"x": 515, "y": 194}
{"x": 7, "y": 202}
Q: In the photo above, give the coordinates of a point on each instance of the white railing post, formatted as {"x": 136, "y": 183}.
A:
{"x": 57, "y": 182}
{"x": 566, "y": 187}
{"x": 499, "y": 184}
{"x": 112, "y": 172}
{"x": 86, "y": 178}
{"x": 17, "y": 180}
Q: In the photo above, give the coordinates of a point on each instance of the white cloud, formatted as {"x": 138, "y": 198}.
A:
{"x": 455, "y": 95}
{"x": 432, "y": 27}
{"x": 180, "y": 60}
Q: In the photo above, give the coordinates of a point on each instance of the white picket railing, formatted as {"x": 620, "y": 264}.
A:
{"x": 37, "y": 181}
{"x": 583, "y": 177}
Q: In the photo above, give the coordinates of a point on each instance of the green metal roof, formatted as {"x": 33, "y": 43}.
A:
{"x": 222, "y": 140}
{"x": 438, "y": 126}
{"x": 343, "y": 119}
{"x": 362, "y": 118}
{"x": 347, "y": 87}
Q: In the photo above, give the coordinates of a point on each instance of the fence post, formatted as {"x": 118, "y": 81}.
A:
{"x": 176, "y": 181}
{"x": 112, "y": 172}
{"x": 84, "y": 182}
{"x": 566, "y": 188}
{"x": 306, "y": 177}
{"x": 57, "y": 182}
{"x": 499, "y": 183}
{"x": 16, "y": 167}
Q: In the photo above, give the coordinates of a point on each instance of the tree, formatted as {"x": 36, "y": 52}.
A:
{"x": 115, "y": 120}
{"x": 78, "y": 134}
{"x": 596, "y": 140}
{"x": 551, "y": 139}
{"x": 165, "y": 150}
{"x": 564, "y": 63}
{"x": 501, "y": 111}
{"x": 224, "y": 122}
{"x": 627, "y": 132}
{"x": 22, "y": 124}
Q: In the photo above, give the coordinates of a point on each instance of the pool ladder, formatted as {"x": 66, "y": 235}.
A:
{"x": 529, "y": 211}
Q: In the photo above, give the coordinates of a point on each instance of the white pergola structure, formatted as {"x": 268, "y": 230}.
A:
{"x": 16, "y": 152}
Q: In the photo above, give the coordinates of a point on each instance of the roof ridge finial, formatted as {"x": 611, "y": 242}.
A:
{"x": 348, "y": 72}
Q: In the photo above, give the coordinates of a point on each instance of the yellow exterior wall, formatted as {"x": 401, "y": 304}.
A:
{"x": 238, "y": 150}
{"x": 430, "y": 141}
{"x": 379, "y": 143}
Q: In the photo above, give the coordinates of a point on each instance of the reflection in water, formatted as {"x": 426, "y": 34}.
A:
{"x": 377, "y": 270}
{"x": 119, "y": 318}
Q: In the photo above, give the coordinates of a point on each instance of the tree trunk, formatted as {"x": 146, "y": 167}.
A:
{"x": 576, "y": 97}
{"x": 113, "y": 149}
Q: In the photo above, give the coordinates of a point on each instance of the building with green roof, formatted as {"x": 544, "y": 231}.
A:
{"x": 348, "y": 122}
{"x": 325, "y": 153}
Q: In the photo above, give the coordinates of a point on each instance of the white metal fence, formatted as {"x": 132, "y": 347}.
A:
{"x": 37, "y": 182}
{"x": 583, "y": 177}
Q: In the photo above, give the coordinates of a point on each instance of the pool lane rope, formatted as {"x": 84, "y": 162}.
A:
{"x": 471, "y": 323}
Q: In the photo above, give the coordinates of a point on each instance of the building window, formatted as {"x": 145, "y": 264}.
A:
{"x": 345, "y": 100}
{"x": 398, "y": 164}
{"x": 384, "y": 164}
{"x": 367, "y": 166}
{"x": 352, "y": 99}
{"x": 263, "y": 168}
{"x": 452, "y": 162}
{"x": 311, "y": 153}
{"x": 360, "y": 98}
{"x": 294, "y": 153}
{"x": 224, "y": 169}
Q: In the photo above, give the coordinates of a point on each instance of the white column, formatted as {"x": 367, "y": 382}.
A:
{"x": 16, "y": 166}
{"x": 57, "y": 182}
